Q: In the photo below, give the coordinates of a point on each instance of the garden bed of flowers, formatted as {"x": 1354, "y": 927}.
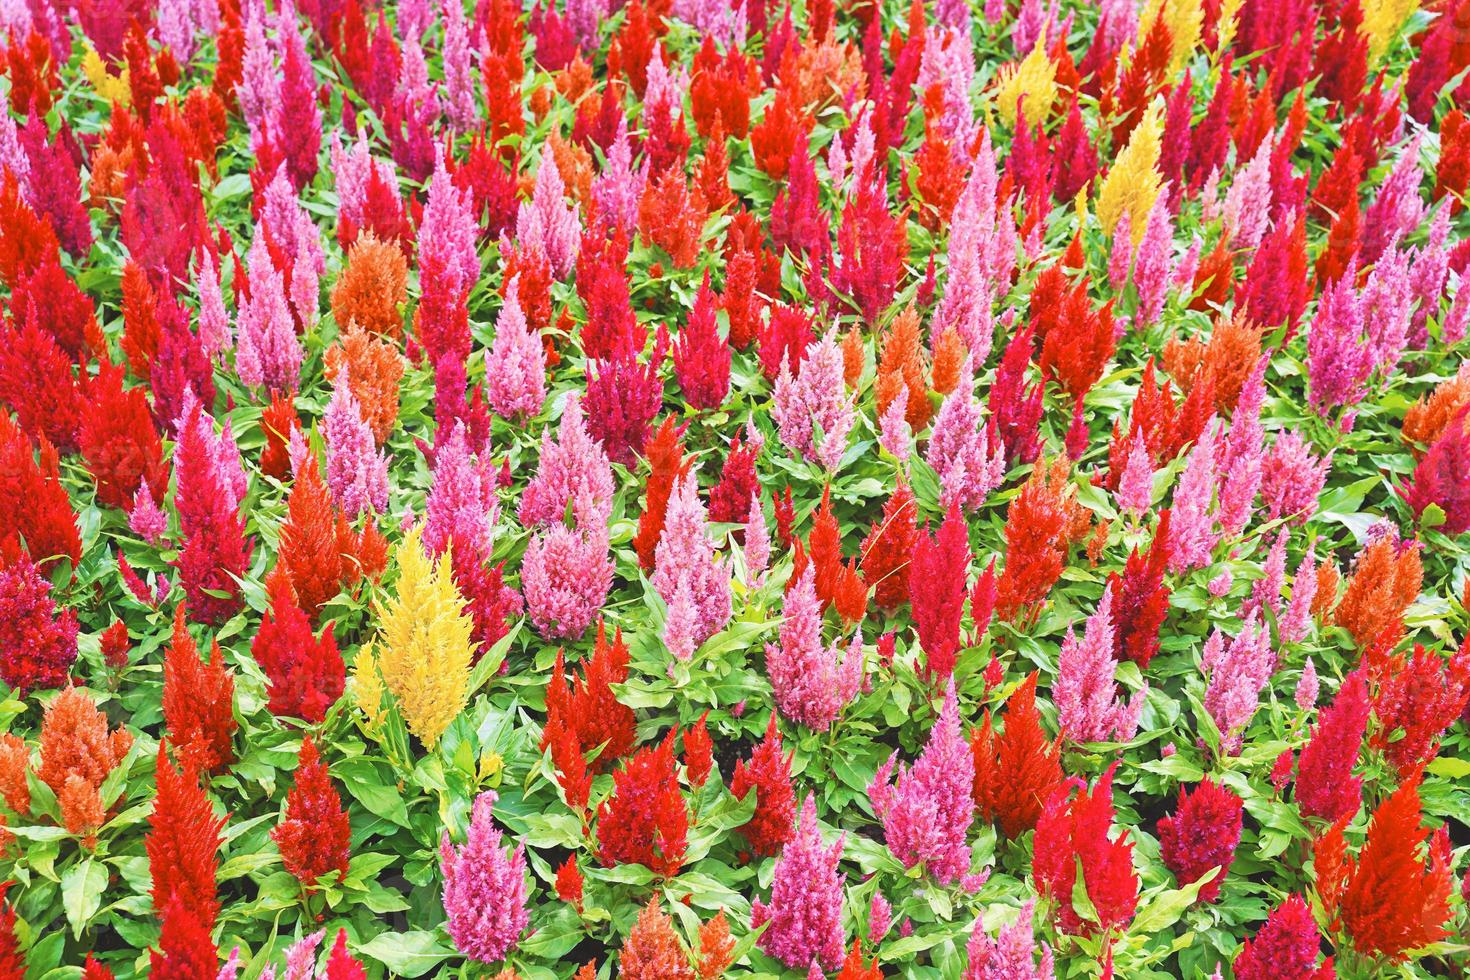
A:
{"x": 671, "y": 489}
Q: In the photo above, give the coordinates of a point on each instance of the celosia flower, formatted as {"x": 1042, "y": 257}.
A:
{"x": 926, "y": 814}
{"x": 685, "y": 557}
{"x": 1292, "y": 478}
{"x": 1072, "y": 838}
{"x": 1284, "y": 948}
{"x": 1011, "y": 955}
{"x": 208, "y": 487}
{"x": 1237, "y": 672}
{"x": 183, "y": 843}
{"x": 960, "y": 450}
{"x": 267, "y": 353}
{"x": 1307, "y": 687}
{"x": 566, "y": 573}
{"x": 1202, "y": 835}
{"x": 515, "y": 365}
{"x": 423, "y": 651}
{"x": 757, "y": 544}
{"x": 37, "y": 645}
{"x": 78, "y": 752}
{"x": 304, "y": 673}
{"x": 645, "y": 820}
{"x": 813, "y": 409}
{"x": 372, "y": 288}
{"x": 314, "y": 834}
{"x": 1136, "y": 485}
{"x": 198, "y": 702}
{"x": 1088, "y": 706}
{"x": 569, "y": 468}
{"x": 185, "y": 949}
{"x": 1017, "y": 770}
{"x": 357, "y": 471}
{"x": 938, "y": 568}
{"x": 652, "y": 950}
{"x": 1325, "y": 785}
{"x": 1192, "y": 535}
{"x": 462, "y": 508}
{"x": 803, "y": 919}
{"x": 701, "y": 355}
{"x": 1141, "y": 598}
{"x": 484, "y": 888}
{"x": 768, "y": 772}
{"x": 811, "y": 683}
{"x": 889, "y": 548}
{"x": 547, "y": 223}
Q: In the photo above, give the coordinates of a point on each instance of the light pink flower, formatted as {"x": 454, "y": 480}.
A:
{"x": 1088, "y": 706}
{"x": 515, "y": 365}
{"x": 685, "y": 557}
{"x": 811, "y": 683}
{"x": 803, "y": 919}
{"x": 357, "y": 472}
{"x": 484, "y": 888}
{"x": 571, "y": 467}
{"x": 548, "y": 222}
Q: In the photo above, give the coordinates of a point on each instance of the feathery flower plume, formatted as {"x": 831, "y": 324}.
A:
{"x": 645, "y": 820}
{"x": 757, "y": 544}
{"x": 813, "y": 409}
{"x": 314, "y": 834}
{"x": 515, "y": 365}
{"x": 1192, "y": 534}
{"x": 960, "y": 449}
{"x": 803, "y": 919}
{"x": 209, "y": 485}
{"x": 1292, "y": 477}
{"x": 37, "y": 646}
{"x": 78, "y": 752}
{"x": 267, "y": 353}
{"x": 569, "y": 468}
{"x": 304, "y": 673}
{"x": 566, "y": 573}
{"x": 1088, "y": 706}
{"x": 183, "y": 842}
{"x": 1072, "y": 838}
{"x": 1011, "y": 955}
{"x": 484, "y": 888}
{"x": 423, "y": 651}
{"x": 926, "y": 814}
{"x": 1017, "y": 771}
{"x": 936, "y": 576}
{"x": 357, "y": 471}
{"x": 811, "y": 683}
{"x": 1238, "y": 671}
{"x": 1202, "y": 835}
{"x": 547, "y": 222}
{"x": 198, "y": 702}
{"x": 1285, "y": 947}
{"x": 768, "y": 772}
{"x": 685, "y": 558}
{"x": 1325, "y": 785}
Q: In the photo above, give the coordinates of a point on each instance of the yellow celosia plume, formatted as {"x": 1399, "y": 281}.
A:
{"x": 1133, "y": 183}
{"x": 114, "y": 88}
{"x": 1381, "y": 22}
{"x": 1185, "y": 19}
{"x": 423, "y": 652}
{"x": 1031, "y": 85}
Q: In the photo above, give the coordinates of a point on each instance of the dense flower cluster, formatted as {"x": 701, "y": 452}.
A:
{"x": 1015, "y": 456}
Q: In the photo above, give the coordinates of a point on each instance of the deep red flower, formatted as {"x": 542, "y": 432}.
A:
{"x": 1325, "y": 785}
{"x": 38, "y": 382}
{"x": 937, "y": 581}
{"x": 768, "y": 772}
{"x": 115, "y": 645}
{"x": 12, "y": 962}
{"x": 185, "y": 950}
{"x": 645, "y": 821}
{"x": 1141, "y": 599}
{"x": 1202, "y": 834}
{"x": 314, "y": 835}
{"x": 1285, "y": 947}
{"x": 602, "y": 283}
{"x": 34, "y": 507}
{"x": 623, "y": 396}
{"x": 701, "y": 356}
{"x": 37, "y": 645}
{"x": 119, "y": 442}
{"x": 729, "y": 499}
{"x": 569, "y": 882}
{"x": 304, "y": 673}
{"x": 1417, "y": 696}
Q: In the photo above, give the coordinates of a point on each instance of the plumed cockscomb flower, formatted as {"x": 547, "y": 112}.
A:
{"x": 701, "y": 355}
{"x": 267, "y": 353}
{"x": 357, "y": 471}
{"x": 78, "y": 752}
{"x": 462, "y": 508}
{"x": 803, "y": 919}
{"x": 198, "y": 702}
{"x": 566, "y": 573}
{"x": 304, "y": 673}
{"x": 372, "y": 288}
{"x": 1017, "y": 770}
{"x": 147, "y": 519}
{"x": 1192, "y": 534}
{"x": 1292, "y": 477}
{"x": 571, "y": 467}
{"x": 1136, "y": 485}
{"x": 768, "y": 772}
{"x": 813, "y": 409}
{"x": 1285, "y": 947}
{"x": 681, "y": 623}
{"x": 515, "y": 365}
{"x": 1088, "y": 706}
{"x": 448, "y": 232}
{"x": 618, "y": 188}
{"x": 37, "y": 645}
{"x": 484, "y": 888}
{"x": 1325, "y": 784}
{"x": 1307, "y": 687}
{"x": 1440, "y": 478}
{"x": 119, "y": 441}
{"x": 1202, "y": 835}
{"x": 1339, "y": 360}
{"x": 209, "y": 486}
{"x": 652, "y": 950}
{"x": 757, "y": 544}
{"x": 183, "y": 841}
{"x": 926, "y": 814}
{"x": 645, "y": 820}
{"x": 547, "y": 222}
{"x": 1237, "y": 671}
{"x": 423, "y": 652}
{"x": 811, "y": 682}
{"x": 960, "y": 449}
{"x": 1011, "y": 955}
{"x": 314, "y": 833}
{"x": 686, "y": 557}
{"x": 1074, "y": 837}
{"x": 938, "y": 567}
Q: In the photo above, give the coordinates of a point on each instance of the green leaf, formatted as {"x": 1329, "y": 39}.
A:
{"x": 408, "y": 954}
{"x": 1164, "y": 909}
{"x": 82, "y": 887}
